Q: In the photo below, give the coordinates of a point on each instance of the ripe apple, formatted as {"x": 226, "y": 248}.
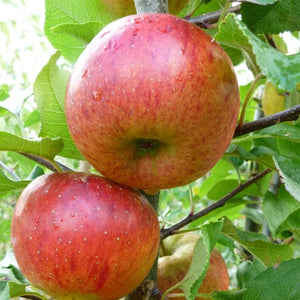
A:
{"x": 81, "y": 236}
{"x": 272, "y": 101}
{"x": 152, "y": 102}
{"x": 176, "y": 258}
{"x": 122, "y": 8}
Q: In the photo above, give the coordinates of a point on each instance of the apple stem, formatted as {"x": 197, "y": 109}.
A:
{"x": 148, "y": 289}
{"x": 247, "y": 99}
{"x": 151, "y": 6}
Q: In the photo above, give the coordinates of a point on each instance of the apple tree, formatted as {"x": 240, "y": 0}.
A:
{"x": 244, "y": 205}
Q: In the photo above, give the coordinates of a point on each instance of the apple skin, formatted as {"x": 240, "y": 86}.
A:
{"x": 122, "y": 8}
{"x": 81, "y": 236}
{"x": 152, "y": 102}
{"x": 272, "y": 101}
{"x": 175, "y": 262}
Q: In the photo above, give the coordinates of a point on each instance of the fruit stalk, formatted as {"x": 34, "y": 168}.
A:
{"x": 146, "y": 6}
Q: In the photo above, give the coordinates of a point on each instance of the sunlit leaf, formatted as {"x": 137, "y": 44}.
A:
{"x": 7, "y": 185}
{"x": 282, "y": 70}
{"x": 64, "y": 18}
{"x": 268, "y": 253}
{"x": 49, "y": 91}
{"x": 43, "y": 147}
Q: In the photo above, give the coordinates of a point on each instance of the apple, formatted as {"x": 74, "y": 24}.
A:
{"x": 82, "y": 236}
{"x": 122, "y": 8}
{"x": 152, "y": 102}
{"x": 272, "y": 101}
{"x": 174, "y": 261}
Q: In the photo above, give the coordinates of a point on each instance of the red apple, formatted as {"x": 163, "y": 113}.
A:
{"x": 152, "y": 102}
{"x": 81, "y": 236}
{"x": 122, "y": 8}
{"x": 176, "y": 258}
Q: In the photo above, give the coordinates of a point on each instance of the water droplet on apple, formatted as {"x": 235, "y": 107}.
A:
{"x": 137, "y": 20}
{"x": 84, "y": 75}
{"x": 135, "y": 31}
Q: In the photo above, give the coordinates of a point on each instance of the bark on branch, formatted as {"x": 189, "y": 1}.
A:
{"x": 290, "y": 114}
{"x": 192, "y": 217}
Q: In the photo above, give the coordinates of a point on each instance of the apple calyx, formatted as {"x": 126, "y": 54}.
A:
{"x": 156, "y": 117}
{"x": 146, "y": 146}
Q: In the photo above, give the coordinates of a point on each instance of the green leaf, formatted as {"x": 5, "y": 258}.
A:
{"x": 32, "y": 118}
{"x": 284, "y": 131}
{"x": 4, "y": 92}
{"x": 13, "y": 273}
{"x": 16, "y": 289}
{"x": 282, "y": 70}
{"x": 268, "y": 253}
{"x": 197, "y": 270}
{"x": 275, "y": 18}
{"x": 281, "y": 211}
{"x": 7, "y": 185}
{"x": 49, "y": 91}
{"x": 227, "y": 295}
{"x": 9, "y": 270}
{"x": 43, "y": 147}
{"x": 247, "y": 270}
{"x": 223, "y": 187}
{"x": 82, "y": 32}
{"x": 67, "y": 14}
{"x": 5, "y": 231}
{"x": 276, "y": 283}
{"x": 201, "y": 255}
{"x": 220, "y": 171}
{"x": 289, "y": 169}
{"x": 231, "y": 35}
{"x": 253, "y": 214}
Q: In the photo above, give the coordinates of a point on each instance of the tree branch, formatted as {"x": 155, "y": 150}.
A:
{"x": 192, "y": 217}
{"x": 46, "y": 163}
{"x": 212, "y": 17}
{"x": 10, "y": 171}
{"x": 290, "y": 114}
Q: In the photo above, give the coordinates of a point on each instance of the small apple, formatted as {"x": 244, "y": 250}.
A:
{"x": 175, "y": 259}
{"x": 122, "y": 8}
{"x": 152, "y": 102}
{"x": 81, "y": 236}
{"x": 272, "y": 101}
